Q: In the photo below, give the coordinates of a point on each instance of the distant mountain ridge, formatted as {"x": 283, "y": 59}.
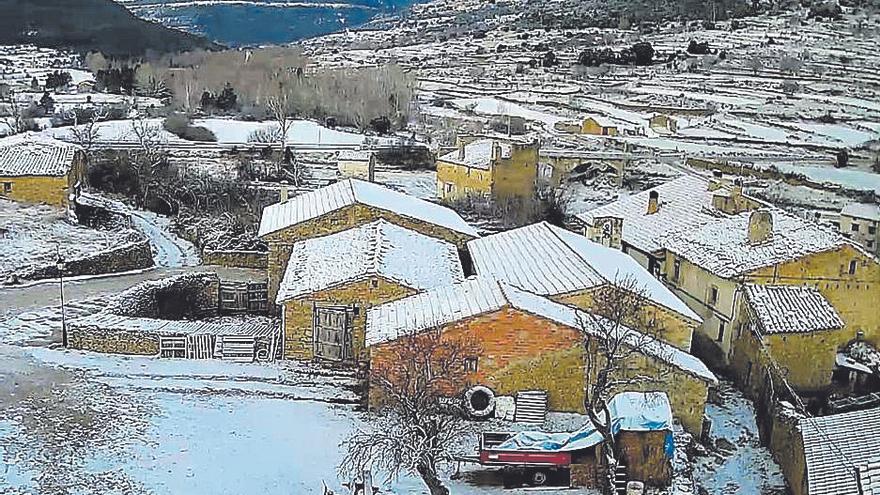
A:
{"x": 89, "y": 25}
{"x": 256, "y": 22}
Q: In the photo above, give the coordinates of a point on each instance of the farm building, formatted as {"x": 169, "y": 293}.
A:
{"x": 529, "y": 342}
{"x": 37, "y": 169}
{"x": 347, "y": 204}
{"x": 356, "y": 164}
{"x": 331, "y": 281}
{"x": 599, "y": 126}
{"x": 488, "y": 167}
{"x": 861, "y": 222}
{"x": 830, "y": 455}
{"x": 708, "y": 265}
{"x": 663, "y": 124}
{"x": 636, "y": 224}
{"x": 571, "y": 269}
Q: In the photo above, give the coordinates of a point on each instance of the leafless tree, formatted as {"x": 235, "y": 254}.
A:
{"x": 613, "y": 349}
{"x": 417, "y": 427}
{"x": 16, "y": 122}
{"x": 150, "y": 154}
{"x": 85, "y": 129}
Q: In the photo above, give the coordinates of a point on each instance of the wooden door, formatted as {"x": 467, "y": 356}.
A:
{"x": 332, "y": 332}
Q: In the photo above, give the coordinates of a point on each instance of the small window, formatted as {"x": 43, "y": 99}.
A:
{"x": 870, "y": 244}
{"x": 872, "y": 229}
{"x": 720, "y": 331}
{"x": 471, "y": 364}
{"x": 7, "y": 187}
{"x": 374, "y": 283}
{"x": 676, "y": 270}
{"x": 852, "y": 267}
{"x": 854, "y": 227}
{"x": 713, "y": 295}
{"x": 448, "y": 187}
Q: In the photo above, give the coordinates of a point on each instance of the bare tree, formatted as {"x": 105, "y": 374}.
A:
{"x": 613, "y": 348}
{"x": 417, "y": 428}
{"x": 85, "y": 129}
{"x": 16, "y": 122}
{"x": 150, "y": 154}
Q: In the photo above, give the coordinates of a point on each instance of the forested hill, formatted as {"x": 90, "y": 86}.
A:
{"x": 89, "y": 25}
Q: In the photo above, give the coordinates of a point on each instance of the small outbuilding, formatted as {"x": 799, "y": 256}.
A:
{"x": 38, "y": 169}
{"x": 356, "y": 164}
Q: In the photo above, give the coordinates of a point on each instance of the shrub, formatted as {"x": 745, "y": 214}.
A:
{"x": 180, "y": 125}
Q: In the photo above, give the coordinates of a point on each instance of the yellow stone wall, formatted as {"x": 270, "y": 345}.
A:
{"x": 463, "y": 181}
{"x": 515, "y": 177}
{"x": 281, "y": 242}
{"x": 113, "y": 341}
{"x": 36, "y": 189}
{"x": 676, "y": 329}
{"x": 363, "y": 294}
{"x": 357, "y": 169}
{"x": 592, "y": 127}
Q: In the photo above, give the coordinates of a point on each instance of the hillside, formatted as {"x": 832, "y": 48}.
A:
{"x": 87, "y": 25}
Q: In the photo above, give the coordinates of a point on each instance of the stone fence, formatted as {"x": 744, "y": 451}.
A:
{"x": 132, "y": 256}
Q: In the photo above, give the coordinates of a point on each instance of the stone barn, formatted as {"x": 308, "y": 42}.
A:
{"x": 38, "y": 169}
{"x": 332, "y": 281}
{"x": 356, "y": 164}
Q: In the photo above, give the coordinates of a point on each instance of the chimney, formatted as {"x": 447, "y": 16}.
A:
{"x": 760, "y": 227}
{"x": 496, "y": 150}
{"x": 285, "y": 194}
{"x": 461, "y": 150}
{"x": 717, "y": 180}
{"x": 736, "y": 189}
{"x": 653, "y": 202}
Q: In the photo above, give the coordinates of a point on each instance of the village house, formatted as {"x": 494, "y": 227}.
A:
{"x": 599, "y": 126}
{"x": 708, "y": 266}
{"x": 860, "y": 222}
{"x": 571, "y": 269}
{"x": 637, "y": 223}
{"x": 837, "y": 454}
{"x": 37, "y": 169}
{"x": 356, "y": 164}
{"x": 663, "y": 124}
{"x": 488, "y": 167}
{"x": 529, "y": 342}
{"x": 344, "y": 205}
{"x": 331, "y": 282}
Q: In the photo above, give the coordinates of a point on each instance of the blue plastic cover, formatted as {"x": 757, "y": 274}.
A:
{"x": 630, "y": 411}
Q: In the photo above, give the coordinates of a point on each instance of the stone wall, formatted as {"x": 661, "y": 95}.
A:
{"x": 644, "y": 455}
{"x": 181, "y": 296}
{"x": 128, "y": 257}
{"x": 109, "y": 340}
{"x": 236, "y": 259}
{"x": 39, "y": 189}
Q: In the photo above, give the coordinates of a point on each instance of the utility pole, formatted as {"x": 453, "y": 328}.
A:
{"x": 59, "y": 264}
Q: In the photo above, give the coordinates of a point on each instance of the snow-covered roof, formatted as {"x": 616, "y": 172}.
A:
{"x": 869, "y": 477}
{"x": 685, "y": 203}
{"x": 351, "y": 191}
{"x": 791, "y": 309}
{"x": 34, "y": 154}
{"x": 836, "y": 447}
{"x": 866, "y": 211}
{"x": 256, "y": 327}
{"x": 378, "y": 248}
{"x": 602, "y": 121}
{"x": 722, "y": 247}
{"x": 444, "y": 305}
{"x": 478, "y": 154}
{"x": 354, "y": 155}
{"x": 549, "y": 260}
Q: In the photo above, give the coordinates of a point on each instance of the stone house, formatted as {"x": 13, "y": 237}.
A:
{"x": 829, "y": 455}
{"x": 860, "y": 222}
{"x": 331, "y": 282}
{"x": 571, "y": 269}
{"x": 599, "y": 126}
{"x": 707, "y": 267}
{"x": 357, "y": 164}
{"x": 344, "y": 205}
{"x": 488, "y": 167}
{"x": 663, "y": 124}
{"x": 636, "y": 224}
{"x": 37, "y": 169}
{"x": 529, "y": 342}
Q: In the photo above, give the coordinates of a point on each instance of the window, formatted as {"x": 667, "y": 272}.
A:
{"x": 448, "y": 187}
{"x": 374, "y": 283}
{"x": 713, "y": 295}
{"x": 471, "y": 364}
{"x": 7, "y": 187}
{"x": 676, "y": 270}
{"x": 852, "y": 267}
{"x": 870, "y": 244}
{"x": 720, "y": 331}
{"x": 854, "y": 227}
{"x": 872, "y": 229}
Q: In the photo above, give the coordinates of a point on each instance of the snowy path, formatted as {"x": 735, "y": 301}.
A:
{"x": 169, "y": 250}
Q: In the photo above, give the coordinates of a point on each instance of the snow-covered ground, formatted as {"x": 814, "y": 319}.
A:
{"x": 169, "y": 249}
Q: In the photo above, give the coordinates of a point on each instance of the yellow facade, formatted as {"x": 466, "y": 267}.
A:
{"x": 298, "y": 315}
{"x": 48, "y": 189}
{"x": 281, "y": 242}
{"x": 501, "y": 178}
{"x": 591, "y": 126}
{"x": 672, "y": 327}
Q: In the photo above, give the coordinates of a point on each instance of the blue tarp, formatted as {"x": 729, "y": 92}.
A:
{"x": 630, "y": 411}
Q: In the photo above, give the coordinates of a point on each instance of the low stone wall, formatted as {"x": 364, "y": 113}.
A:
{"x": 186, "y": 295}
{"x": 237, "y": 259}
{"x": 128, "y": 257}
{"x": 111, "y": 340}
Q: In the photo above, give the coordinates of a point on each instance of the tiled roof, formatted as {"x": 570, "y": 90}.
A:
{"x": 791, "y": 309}
{"x": 836, "y": 447}
{"x": 548, "y": 260}
{"x": 378, "y": 248}
{"x": 32, "y": 154}
{"x": 444, "y": 305}
{"x": 685, "y": 204}
{"x": 869, "y": 477}
{"x": 866, "y": 211}
{"x": 722, "y": 247}
{"x": 345, "y": 193}
{"x": 477, "y": 154}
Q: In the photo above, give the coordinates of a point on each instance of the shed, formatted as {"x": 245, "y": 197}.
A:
{"x": 38, "y": 169}
{"x": 356, "y": 164}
